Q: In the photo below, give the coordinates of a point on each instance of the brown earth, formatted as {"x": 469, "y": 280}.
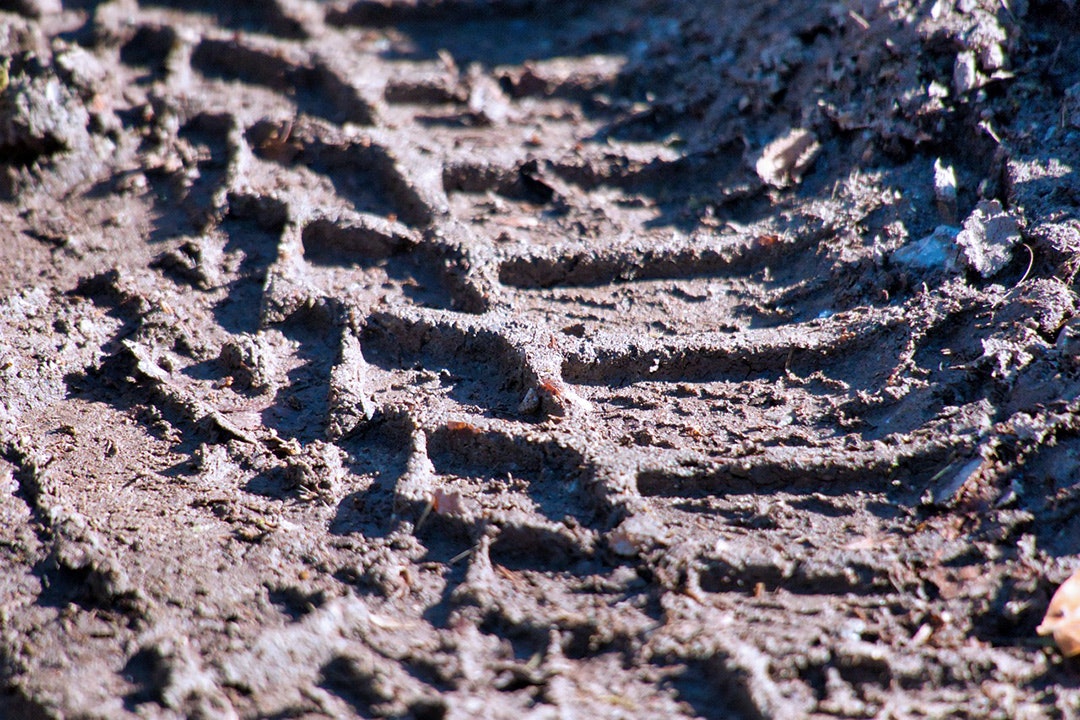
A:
{"x": 537, "y": 358}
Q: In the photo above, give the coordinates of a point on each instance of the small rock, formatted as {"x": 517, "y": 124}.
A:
{"x": 530, "y": 404}
{"x": 992, "y": 57}
{"x": 937, "y": 90}
{"x": 945, "y": 190}
{"x": 936, "y": 251}
{"x": 966, "y": 76}
{"x": 487, "y": 101}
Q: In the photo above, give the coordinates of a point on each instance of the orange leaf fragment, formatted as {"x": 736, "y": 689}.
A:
{"x": 449, "y": 503}
{"x": 461, "y": 426}
{"x": 1063, "y": 617}
{"x": 551, "y": 388}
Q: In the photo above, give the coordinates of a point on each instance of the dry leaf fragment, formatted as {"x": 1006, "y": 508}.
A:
{"x": 785, "y": 159}
{"x": 447, "y": 502}
{"x": 462, "y": 427}
{"x": 566, "y": 398}
{"x": 1063, "y": 617}
{"x": 636, "y": 534}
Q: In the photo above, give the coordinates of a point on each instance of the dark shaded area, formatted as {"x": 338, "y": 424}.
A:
{"x": 253, "y": 228}
{"x": 763, "y": 475}
{"x": 368, "y": 176}
{"x": 315, "y": 89}
{"x": 300, "y": 406}
{"x": 42, "y": 120}
{"x": 537, "y": 549}
{"x": 294, "y": 602}
{"x": 724, "y": 361}
{"x": 149, "y": 47}
{"x": 555, "y": 475}
{"x": 190, "y": 199}
{"x": 714, "y": 696}
{"x": 475, "y": 31}
{"x": 378, "y": 451}
{"x": 480, "y": 367}
{"x": 429, "y": 274}
{"x": 360, "y": 686}
{"x": 329, "y": 243}
{"x": 30, "y": 151}
{"x": 29, "y": 8}
{"x": 145, "y": 670}
{"x": 208, "y": 137}
{"x": 15, "y": 705}
{"x": 719, "y": 576}
{"x": 387, "y": 12}
{"x": 250, "y": 15}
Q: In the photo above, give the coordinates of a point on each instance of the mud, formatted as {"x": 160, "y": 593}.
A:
{"x": 448, "y": 359}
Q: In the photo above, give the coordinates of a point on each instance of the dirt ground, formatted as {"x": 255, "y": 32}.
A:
{"x": 537, "y": 358}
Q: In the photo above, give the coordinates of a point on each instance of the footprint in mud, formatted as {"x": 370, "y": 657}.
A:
{"x": 475, "y": 271}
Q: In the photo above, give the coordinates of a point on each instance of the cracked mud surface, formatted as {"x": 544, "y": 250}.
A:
{"x": 453, "y": 359}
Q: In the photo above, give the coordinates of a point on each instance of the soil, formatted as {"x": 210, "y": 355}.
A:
{"x": 537, "y": 358}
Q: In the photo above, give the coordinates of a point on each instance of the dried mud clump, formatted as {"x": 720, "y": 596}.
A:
{"x": 40, "y": 116}
{"x": 987, "y": 238}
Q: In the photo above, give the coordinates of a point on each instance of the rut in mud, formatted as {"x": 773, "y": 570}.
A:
{"x": 537, "y": 359}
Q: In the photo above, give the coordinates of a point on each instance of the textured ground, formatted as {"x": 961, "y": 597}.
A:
{"x": 537, "y": 358}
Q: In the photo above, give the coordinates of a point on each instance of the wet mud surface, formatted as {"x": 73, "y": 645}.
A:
{"x": 453, "y": 359}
